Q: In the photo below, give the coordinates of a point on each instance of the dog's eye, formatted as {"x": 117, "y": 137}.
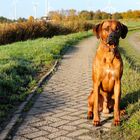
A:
{"x": 117, "y": 29}
{"x": 106, "y": 29}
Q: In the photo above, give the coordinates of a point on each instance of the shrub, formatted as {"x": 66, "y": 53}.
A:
{"x": 34, "y": 29}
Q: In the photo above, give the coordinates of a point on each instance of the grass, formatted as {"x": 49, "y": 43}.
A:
{"x": 132, "y": 24}
{"x": 23, "y": 63}
{"x": 130, "y": 128}
{"x": 132, "y": 55}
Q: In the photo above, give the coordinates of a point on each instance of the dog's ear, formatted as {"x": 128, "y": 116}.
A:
{"x": 124, "y": 31}
{"x": 97, "y": 29}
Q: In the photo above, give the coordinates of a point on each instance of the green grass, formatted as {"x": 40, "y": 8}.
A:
{"x": 22, "y": 64}
{"x": 132, "y": 24}
{"x": 130, "y": 128}
{"x": 132, "y": 55}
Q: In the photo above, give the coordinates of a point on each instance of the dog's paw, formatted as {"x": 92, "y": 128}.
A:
{"x": 90, "y": 115}
{"x": 117, "y": 122}
{"x": 96, "y": 123}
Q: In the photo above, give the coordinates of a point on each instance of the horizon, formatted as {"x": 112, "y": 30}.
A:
{"x": 38, "y": 8}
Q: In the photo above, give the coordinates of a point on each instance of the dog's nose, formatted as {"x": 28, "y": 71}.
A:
{"x": 112, "y": 39}
{"x": 112, "y": 35}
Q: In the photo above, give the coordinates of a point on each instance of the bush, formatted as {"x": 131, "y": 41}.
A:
{"x": 34, "y": 29}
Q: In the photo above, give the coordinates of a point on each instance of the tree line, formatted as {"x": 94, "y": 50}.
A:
{"x": 91, "y": 15}
{"x": 4, "y": 19}
{"x": 84, "y": 15}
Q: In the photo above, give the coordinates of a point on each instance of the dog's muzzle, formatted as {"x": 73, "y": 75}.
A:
{"x": 113, "y": 39}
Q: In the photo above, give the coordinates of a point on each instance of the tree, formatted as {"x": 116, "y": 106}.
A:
{"x": 31, "y": 19}
{"x": 106, "y": 15}
{"x": 4, "y": 19}
{"x": 55, "y": 15}
{"x": 98, "y": 15}
{"x": 21, "y": 19}
{"x": 117, "y": 16}
{"x": 72, "y": 14}
{"x": 85, "y": 15}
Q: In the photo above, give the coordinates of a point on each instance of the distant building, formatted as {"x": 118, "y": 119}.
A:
{"x": 45, "y": 18}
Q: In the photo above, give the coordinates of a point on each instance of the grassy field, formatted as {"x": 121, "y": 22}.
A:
{"x": 22, "y": 64}
{"x": 132, "y": 24}
{"x": 130, "y": 128}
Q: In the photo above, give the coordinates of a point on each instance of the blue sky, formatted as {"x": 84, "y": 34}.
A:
{"x": 25, "y": 7}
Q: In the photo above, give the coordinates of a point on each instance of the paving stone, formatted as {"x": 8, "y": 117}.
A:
{"x": 61, "y": 114}
{"x": 105, "y": 129}
{"x": 78, "y": 112}
{"x": 42, "y": 123}
{"x": 63, "y": 138}
{"x": 70, "y": 109}
{"x": 57, "y": 134}
{"x": 56, "y": 124}
{"x": 88, "y": 126}
{"x": 68, "y": 127}
{"x": 86, "y": 137}
{"x": 52, "y": 119}
{"x": 32, "y": 119}
{"x": 41, "y": 138}
{"x": 44, "y": 115}
{"x": 36, "y": 134}
{"x": 70, "y": 118}
{"x": 49, "y": 128}
{"x": 26, "y": 130}
{"x": 108, "y": 124}
{"x": 77, "y": 132}
{"x": 19, "y": 138}
{"x": 77, "y": 122}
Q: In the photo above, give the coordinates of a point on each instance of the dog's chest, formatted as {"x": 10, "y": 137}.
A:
{"x": 108, "y": 76}
{"x": 108, "y": 72}
{"x": 108, "y": 67}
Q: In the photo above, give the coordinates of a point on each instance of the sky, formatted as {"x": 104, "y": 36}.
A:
{"x": 25, "y": 8}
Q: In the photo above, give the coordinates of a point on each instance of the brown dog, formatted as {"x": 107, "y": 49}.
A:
{"x": 107, "y": 71}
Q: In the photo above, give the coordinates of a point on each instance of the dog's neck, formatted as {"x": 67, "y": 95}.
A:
{"x": 108, "y": 48}
{"x": 109, "y": 52}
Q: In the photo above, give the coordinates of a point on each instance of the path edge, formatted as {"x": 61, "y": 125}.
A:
{"x": 17, "y": 114}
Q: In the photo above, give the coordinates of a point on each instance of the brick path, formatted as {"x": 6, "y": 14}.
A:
{"x": 60, "y": 111}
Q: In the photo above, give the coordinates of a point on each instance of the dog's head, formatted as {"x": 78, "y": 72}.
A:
{"x": 110, "y": 31}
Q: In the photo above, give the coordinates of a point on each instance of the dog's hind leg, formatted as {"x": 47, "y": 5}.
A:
{"x": 90, "y": 105}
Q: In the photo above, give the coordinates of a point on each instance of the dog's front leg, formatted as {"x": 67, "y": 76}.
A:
{"x": 117, "y": 95}
{"x": 96, "y": 120}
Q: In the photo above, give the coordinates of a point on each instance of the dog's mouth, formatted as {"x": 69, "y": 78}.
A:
{"x": 112, "y": 39}
{"x": 112, "y": 42}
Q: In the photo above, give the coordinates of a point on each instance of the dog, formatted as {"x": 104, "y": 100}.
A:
{"x": 107, "y": 71}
